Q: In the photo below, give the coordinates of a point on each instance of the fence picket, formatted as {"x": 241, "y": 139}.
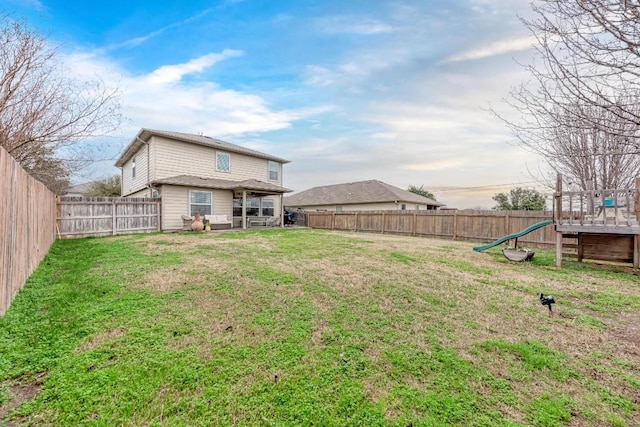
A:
{"x": 470, "y": 225}
{"x": 106, "y": 216}
{"x": 27, "y": 226}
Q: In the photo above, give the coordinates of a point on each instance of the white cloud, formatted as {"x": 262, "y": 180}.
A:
{"x": 492, "y": 49}
{"x": 162, "y": 99}
{"x": 319, "y": 76}
{"x": 358, "y": 67}
{"x": 174, "y": 73}
{"x": 437, "y": 165}
{"x": 353, "y": 25}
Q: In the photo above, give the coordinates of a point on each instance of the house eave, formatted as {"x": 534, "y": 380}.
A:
{"x": 252, "y": 185}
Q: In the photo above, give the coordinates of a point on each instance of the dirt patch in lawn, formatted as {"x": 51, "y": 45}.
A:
{"x": 19, "y": 393}
{"x": 96, "y": 340}
{"x": 628, "y": 329}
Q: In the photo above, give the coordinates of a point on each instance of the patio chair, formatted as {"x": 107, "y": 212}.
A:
{"x": 274, "y": 222}
{"x": 186, "y": 222}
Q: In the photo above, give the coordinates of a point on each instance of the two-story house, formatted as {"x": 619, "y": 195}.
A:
{"x": 196, "y": 173}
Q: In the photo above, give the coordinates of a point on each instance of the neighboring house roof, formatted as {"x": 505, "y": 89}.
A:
{"x": 77, "y": 189}
{"x": 372, "y": 191}
{"x": 145, "y": 134}
{"x": 222, "y": 184}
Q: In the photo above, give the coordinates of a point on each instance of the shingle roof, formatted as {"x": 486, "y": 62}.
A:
{"x": 371, "y": 191}
{"x": 222, "y": 184}
{"x": 145, "y": 134}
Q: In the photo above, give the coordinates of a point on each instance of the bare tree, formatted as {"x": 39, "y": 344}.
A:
{"x": 590, "y": 52}
{"x": 43, "y": 109}
{"x": 581, "y": 146}
{"x": 581, "y": 111}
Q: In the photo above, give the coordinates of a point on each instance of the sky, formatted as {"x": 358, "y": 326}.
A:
{"x": 400, "y": 91}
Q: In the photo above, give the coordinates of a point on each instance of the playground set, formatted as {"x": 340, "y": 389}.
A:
{"x": 597, "y": 225}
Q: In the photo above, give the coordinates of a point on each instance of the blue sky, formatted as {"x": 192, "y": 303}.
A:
{"x": 397, "y": 91}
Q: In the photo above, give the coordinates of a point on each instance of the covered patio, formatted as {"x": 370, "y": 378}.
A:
{"x": 251, "y": 200}
{"x": 243, "y": 204}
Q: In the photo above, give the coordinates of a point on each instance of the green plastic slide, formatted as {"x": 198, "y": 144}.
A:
{"x": 514, "y": 235}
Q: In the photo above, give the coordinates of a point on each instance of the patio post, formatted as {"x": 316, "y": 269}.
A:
{"x": 281, "y": 210}
{"x": 244, "y": 209}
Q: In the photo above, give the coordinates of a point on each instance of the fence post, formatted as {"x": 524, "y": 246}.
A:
{"x": 158, "y": 206}
{"x": 455, "y": 225}
{"x": 113, "y": 217}
{"x": 59, "y": 216}
{"x": 382, "y": 231}
{"x": 355, "y": 228}
{"x": 557, "y": 214}
{"x": 507, "y": 225}
{"x": 415, "y": 223}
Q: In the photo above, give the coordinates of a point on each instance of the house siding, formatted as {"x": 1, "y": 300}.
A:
{"x": 179, "y": 158}
{"x": 362, "y": 207}
{"x": 131, "y": 185}
{"x": 175, "y": 203}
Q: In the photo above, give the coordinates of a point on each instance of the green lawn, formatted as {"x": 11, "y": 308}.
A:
{"x": 308, "y": 327}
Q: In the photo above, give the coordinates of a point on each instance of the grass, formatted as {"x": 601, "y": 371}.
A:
{"x": 308, "y": 327}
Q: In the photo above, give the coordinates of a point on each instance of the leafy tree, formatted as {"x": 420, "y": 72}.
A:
{"x": 520, "y": 199}
{"x": 421, "y": 191}
{"x": 109, "y": 187}
{"x": 44, "y": 110}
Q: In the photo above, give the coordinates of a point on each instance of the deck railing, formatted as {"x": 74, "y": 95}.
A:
{"x": 612, "y": 207}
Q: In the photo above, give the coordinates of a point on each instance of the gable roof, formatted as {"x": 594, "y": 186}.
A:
{"x": 144, "y": 135}
{"x": 222, "y": 184}
{"x": 372, "y": 191}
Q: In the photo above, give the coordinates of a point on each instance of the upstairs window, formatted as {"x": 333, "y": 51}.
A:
{"x": 133, "y": 167}
{"x": 200, "y": 201}
{"x": 273, "y": 171}
{"x": 223, "y": 162}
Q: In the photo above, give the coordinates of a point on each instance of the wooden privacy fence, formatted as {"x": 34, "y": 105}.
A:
{"x": 470, "y": 225}
{"x": 104, "y": 216}
{"x": 27, "y": 226}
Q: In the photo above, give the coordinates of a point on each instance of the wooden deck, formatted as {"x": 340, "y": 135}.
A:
{"x": 603, "y": 223}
